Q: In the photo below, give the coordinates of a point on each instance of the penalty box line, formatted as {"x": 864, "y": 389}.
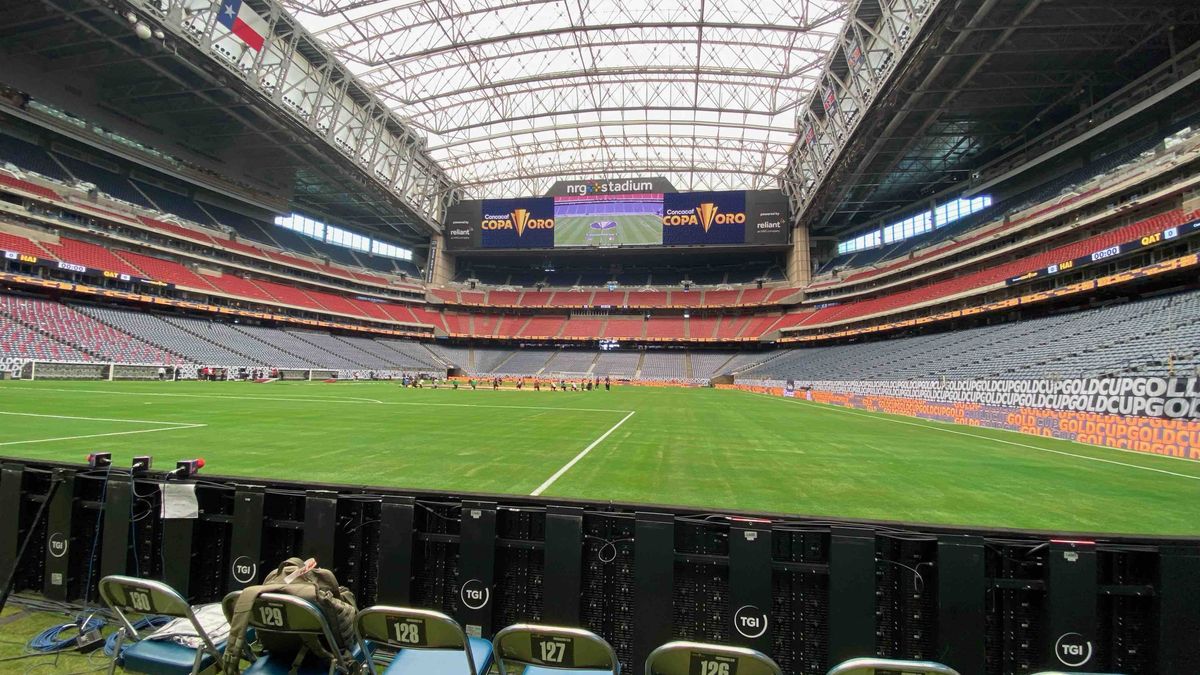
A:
{"x": 170, "y": 426}
{"x": 583, "y": 453}
{"x": 324, "y": 399}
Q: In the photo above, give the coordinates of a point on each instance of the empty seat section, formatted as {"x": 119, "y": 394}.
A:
{"x": 178, "y": 230}
{"x": 445, "y": 295}
{"x": 168, "y": 271}
{"x": 373, "y": 310}
{"x": 240, "y": 247}
{"x": 624, "y": 327}
{"x": 292, "y": 241}
{"x": 83, "y": 331}
{"x": 702, "y": 328}
{"x": 647, "y": 299}
{"x": 376, "y": 355}
{"x": 334, "y": 303}
{"x": 754, "y": 296}
{"x": 428, "y": 316}
{"x": 369, "y": 278}
{"x": 666, "y": 327}
{"x": 509, "y": 325}
{"x": 235, "y": 285}
{"x": 156, "y": 330}
{"x": 535, "y": 298}
{"x": 31, "y": 188}
{"x": 310, "y": 347}
{"x": 570, "y": 363}
{"x": 30, "y": 157}
{"x": 287, "y": 294}
{"x": 524, "y": 362}
{"x": 249, "y": 349}
{"x": 22, "y": 342}
{"x": 401, "y": 313}
{"x": 583, "y": 327}
{"x": 457, "y": 323}
{"x": 91, "y": 255}
{"x": 13, "y": 242}
{"x": 759, "y": 325}
{"x": 169, "y": 201}
{"x": 571, "y": 299}
{"x": 112, "y": 184}
{"x": 472, "y": 298}
{"x": 998, "y": 273}
{"x": 503, "y": 298}
{"x": 543, "y": 327}
{"x": 664, "y": 365}
{"x": 412, "y": 354}
{"x": 686, "y": 299}
{"x": 617, "y": 364}
{"x": 485, "y": 324}
{"x": 715, "y": 298}
{"x": 731, "y": 326}
{"x": 608, "y": 299}
{"x": 706, "y": 365}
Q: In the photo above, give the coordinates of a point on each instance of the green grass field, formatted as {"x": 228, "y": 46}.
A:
{"x": 631, "y": 230}
{"x": 704, "y": 448}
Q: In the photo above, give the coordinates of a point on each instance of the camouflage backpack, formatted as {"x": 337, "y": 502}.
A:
{"x": 316, "y": 585}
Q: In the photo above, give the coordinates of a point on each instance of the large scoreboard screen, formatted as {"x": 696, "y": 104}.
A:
{"x": 641, "y": 219}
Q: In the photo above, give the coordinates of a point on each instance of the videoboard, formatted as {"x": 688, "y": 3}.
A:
{"x": 608, "y": 220}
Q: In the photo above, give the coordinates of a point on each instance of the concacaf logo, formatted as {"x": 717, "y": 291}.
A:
{"x": 706, "y": 214}
{"x": 518, "y": 220}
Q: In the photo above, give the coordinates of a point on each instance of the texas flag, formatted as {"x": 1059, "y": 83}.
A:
{"x": 243, "y": 22}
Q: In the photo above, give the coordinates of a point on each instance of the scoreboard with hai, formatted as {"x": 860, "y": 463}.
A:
{"x": 755, "y": 218}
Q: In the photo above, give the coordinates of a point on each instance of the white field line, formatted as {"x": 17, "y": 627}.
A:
{"x": 173, "y": 426}
{"x": 313, "y": 399}
{"x": 850, "y": 411}
{"x": 558, "y": 474}
{"x": 100, "y": 419}
{"x": 111, "y": 433}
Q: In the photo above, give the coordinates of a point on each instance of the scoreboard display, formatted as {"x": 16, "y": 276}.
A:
{"x": 607, "y": 220}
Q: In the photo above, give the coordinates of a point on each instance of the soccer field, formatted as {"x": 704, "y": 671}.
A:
{"x": 631, "y": 230}
{"x": 711, "y": 449}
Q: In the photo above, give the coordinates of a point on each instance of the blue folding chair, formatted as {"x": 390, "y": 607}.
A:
{"x": 697, "y": 658}
{"x": 870, "y": 665}
{"x": 288, "y": 614}
{"x": 554, "y": 650}
{"x": 428, "y": 642}
{"x": 130, "y": 595}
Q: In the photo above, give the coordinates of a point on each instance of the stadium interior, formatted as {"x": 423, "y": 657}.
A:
{"x": 965, "y": 216}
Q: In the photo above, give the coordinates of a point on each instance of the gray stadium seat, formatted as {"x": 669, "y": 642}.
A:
{"x": 697, "y": 658}
{"x": 429, "y": 642}
{"x": 130, "y": 595}
{"x": 279, "y": 613}
{"x": 871, "y": 665}
{"x": 545, "y": 650}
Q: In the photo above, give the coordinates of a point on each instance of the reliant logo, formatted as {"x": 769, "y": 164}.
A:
{"x": 519, "y": 220}
{"x": 604, "y": 187}
{"x": 706, "y": 214}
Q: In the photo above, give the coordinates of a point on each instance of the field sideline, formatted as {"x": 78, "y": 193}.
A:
{"x": 703, "y": 448}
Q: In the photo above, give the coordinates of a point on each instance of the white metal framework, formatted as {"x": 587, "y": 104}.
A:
{"x": 514, "y": 94}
